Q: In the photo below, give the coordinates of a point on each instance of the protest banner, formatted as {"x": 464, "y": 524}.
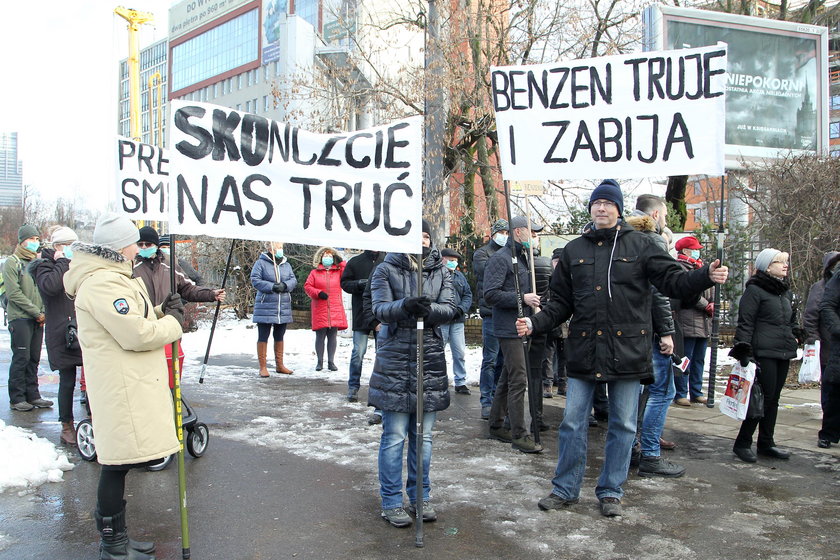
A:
{"x": 637, "y": 115}
{"x": 244, "y": 176}
{"x": 142, "y": 180}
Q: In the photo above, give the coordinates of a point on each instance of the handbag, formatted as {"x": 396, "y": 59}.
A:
{"x": 71, "y": 337}
{"x": 756, "y": 408}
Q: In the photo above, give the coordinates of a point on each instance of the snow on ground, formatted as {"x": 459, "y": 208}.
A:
{"x": 28, "y": 461}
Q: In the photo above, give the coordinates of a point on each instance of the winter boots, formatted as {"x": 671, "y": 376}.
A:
{"x": 278, "y": 358}
{"x": 262, "y": 350}
{"x": 115, "y": 544}
{"x": 68, "y": 433}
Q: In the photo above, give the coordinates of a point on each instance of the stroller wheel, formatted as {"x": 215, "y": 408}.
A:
{"x": 84, "y": 440}
{"x": 197, "y": 439}
{"x": 162, "y": 465}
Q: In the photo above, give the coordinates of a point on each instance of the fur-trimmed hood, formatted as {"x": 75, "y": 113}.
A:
{"x": 88, "y": 259}
{"x": 316, "y": 259}
{"x": 642, "y": 222}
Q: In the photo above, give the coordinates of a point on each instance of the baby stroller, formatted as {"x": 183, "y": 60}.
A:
{"x": 196, "y": 439}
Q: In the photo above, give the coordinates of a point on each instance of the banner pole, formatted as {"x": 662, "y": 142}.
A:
{"x": 715, "y": 338}
{"x": 216, "y": 315}
{"x": 418, "y": 439}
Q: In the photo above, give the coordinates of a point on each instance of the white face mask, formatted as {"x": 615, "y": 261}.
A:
{"x": 501, "y": 239}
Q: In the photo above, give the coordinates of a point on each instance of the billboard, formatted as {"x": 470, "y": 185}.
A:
{"x": 273, "y": 14}
{"x": 192, "y": 14}
{"x": 777, "y": 77}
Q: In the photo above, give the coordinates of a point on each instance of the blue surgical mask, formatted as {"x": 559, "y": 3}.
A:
{"x": 33, "y": 246}
{"x": 279, "y": 254}
{"x": 165, "y": 250}
{"x": 695, "y": 254}
{"x": 327, "y": 261}
{"x": 148, "y": 252}
{"x": 527, "y": 244}
{"x": 451, "y": 265}
{"x": 68, "y": 253}
{"x": 500, "y": 239}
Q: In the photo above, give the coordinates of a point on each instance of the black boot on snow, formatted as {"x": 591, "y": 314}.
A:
{"x": 114, "y": 543}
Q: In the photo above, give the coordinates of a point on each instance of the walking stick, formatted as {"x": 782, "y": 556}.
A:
{"x": 713, "y": 344}
{"x": 216, "y": 315}
{"x": 179, "y": 421}
{"x": 532, "y": 402}
{"x": 418, "y": 437}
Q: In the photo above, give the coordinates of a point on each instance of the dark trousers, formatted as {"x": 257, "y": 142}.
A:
{"x": 830, "y": 393}
{"x": 26, "y": 336}
{"x": 771, "y": 375}
{"x": 536, "y": 358}
{"x": 109, "y": 496}
{"x": 330, "y": 334}
{"x": 66, "y": 386}
{"x": 509, "y": 399}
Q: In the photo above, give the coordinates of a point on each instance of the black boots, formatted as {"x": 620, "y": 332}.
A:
{"x": 116, "y": 545}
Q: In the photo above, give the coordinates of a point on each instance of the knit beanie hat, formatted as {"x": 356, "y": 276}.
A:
{"x": 499, "y": 225}
{"x": 764, "y": 258}
{"x": 115, "y": 232}
{"x": 165, "y": 240}
{"x": 63, "y": 235}
{"x": 149, "y": 235}
{"x": 26, "y": 231}
{"x": 608, "y": 190}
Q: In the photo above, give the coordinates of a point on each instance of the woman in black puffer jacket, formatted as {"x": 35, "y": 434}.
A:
{"x": 768, "y": 331}
{"x": 393, "y": 382}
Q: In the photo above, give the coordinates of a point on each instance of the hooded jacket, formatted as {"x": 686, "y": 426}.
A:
{"x": 663, "y": 318}
{"x": 766, "y": 319}
{"x": 393, "y": 381}
{"x": 326, "y": 313}
{"x": 811, "y": 317}
{"x": 354, "y": 279}
{"x": 480, "y": 259}
{"x": 154, "y": 272}
{"x": 830, "y": 325}
{"x": 122, "y": 337}
{"x": 602, "y": 282}
{"x": 271, "y": 307}
{"x": 24, "y": 297}
{"x": 58, "y": 308}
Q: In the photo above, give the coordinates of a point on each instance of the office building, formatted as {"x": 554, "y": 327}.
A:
{"x": 11, "y": 171}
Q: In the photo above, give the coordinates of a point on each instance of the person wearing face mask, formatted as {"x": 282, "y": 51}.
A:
{"x": 453, "y": 332}
{"x": 694, "y": 317}
{"x": 25, "y": 311}
{"x": 122, "y": 335}
{"x": 185, "y": 265}
{"x": 767, "y": 331}
{"x": 274, "y": 280}
{"x": 324, "y": 287}
{"x": 65, "y": 354}
{"x": 491, "y": 359}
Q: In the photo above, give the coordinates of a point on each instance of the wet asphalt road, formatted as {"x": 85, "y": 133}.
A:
{"x": 257, "y": 500}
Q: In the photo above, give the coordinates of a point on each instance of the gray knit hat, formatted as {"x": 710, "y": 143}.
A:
{"x": 26, "y": 231}
{"x": 115, "y": 232}
{"x": 764, "y": 258}
{"x": 63, "y": 235}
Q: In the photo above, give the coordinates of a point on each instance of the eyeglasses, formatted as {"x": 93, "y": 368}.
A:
{"x": 144, "y": 244}
{"x": 604, "y": 203}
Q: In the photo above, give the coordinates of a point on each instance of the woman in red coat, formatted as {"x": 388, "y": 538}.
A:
{"x": 328, "y": 317}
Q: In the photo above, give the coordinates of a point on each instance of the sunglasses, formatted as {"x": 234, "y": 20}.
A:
{"x": 144, "y": 244}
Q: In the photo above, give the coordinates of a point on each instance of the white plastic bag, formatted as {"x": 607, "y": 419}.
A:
{"x": 810, "y": 370}
{"x": 736, "y": 398}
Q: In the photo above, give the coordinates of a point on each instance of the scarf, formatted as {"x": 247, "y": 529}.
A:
{"x": 24, "y": 254}
{"x": 696, "y": 263}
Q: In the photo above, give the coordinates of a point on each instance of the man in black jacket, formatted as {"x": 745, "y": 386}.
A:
{"x": 603, "y": 282}
{"x": 353, "y": 281}
{"x": 490, "y": 360}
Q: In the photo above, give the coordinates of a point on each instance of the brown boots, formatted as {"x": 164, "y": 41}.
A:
{"x": 278, "y": 357}
{"x": 262, "y": 350}
{"x": 68, "y": 433}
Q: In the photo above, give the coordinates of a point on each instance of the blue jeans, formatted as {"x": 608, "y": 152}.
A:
{"x": 659, "y": 399}
{"x": 490, "y": 355}
{"x": 396, "y": 426}
{"x": 360, "y": 343}
{"x": 692, "y": 380}
{"x": 453, "y": 334}
{"x": 572, "y": 438}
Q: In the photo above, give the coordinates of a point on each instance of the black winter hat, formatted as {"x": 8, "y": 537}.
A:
{"x": 149, "y": 235}
{"x": 610, "y": 190}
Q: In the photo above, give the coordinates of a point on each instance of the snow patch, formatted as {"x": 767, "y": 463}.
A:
{"x": 28, "y": 461}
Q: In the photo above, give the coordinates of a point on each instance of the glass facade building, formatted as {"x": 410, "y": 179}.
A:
{"x": 11, "y": 171}
{"x": 152, "y": 62}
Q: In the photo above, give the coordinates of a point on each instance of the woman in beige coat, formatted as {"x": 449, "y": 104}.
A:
{"x": 122, "y": 337}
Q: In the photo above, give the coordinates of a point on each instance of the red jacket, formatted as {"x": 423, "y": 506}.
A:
{"x": 326, "y": 312}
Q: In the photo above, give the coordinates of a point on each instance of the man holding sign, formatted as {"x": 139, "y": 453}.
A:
{"x": 603, "y": 283}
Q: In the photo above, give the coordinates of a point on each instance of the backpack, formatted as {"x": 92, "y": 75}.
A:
{"x": 4, "y": 299}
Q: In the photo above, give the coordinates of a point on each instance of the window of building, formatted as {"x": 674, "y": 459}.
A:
{"x": 239, "y": 81}
{"x": 266, "y": 103}
{"x": 247, "y": 106}
{"x": 834, "y": 129}
{"x": 308, "y": 10}
{"x": 217, "y": 50}
{"x": 698, "y": 215}
{"x": 835, "y": 101}
{"x": 697, "y": 190}
{"x": 835, "y": 153}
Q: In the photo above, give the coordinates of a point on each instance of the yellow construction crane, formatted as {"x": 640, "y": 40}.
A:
{"x": 135, "y": 19}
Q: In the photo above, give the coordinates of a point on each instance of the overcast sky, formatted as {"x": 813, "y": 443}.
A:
{"x": 59, "y": 66}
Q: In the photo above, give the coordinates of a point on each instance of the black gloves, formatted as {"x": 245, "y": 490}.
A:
{"x": 418, "y": 306}
{"x": 323, "y": 295}
{"x": 742, "y": 351}
{"x": 278, "y": 287}
{"x": 362, "y": 283}
{"x": 800, "y": 334}
{"x": 459, "y": 314}
{"x": 174, "y": 306}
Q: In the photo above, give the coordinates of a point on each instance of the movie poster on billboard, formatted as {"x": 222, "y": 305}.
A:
{"x": 244, "y": 176}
